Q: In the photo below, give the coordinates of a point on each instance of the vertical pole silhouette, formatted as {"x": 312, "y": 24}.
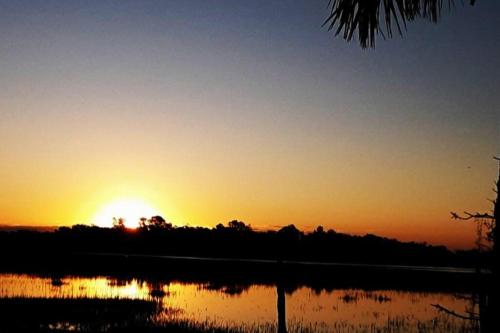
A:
{"x": 281, "y": 308}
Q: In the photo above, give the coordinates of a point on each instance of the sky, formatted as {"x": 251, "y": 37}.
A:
{"x": 208, "y": 111}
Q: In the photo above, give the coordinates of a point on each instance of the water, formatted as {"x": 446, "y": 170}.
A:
{"x": 254, "y": 307}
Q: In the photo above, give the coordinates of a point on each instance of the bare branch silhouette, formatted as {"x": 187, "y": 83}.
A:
{"x": 472, "y": 316}
{"x": 469, "y": 216}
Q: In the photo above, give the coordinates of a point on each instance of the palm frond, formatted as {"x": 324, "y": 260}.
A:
{"x": 369, "y": 18}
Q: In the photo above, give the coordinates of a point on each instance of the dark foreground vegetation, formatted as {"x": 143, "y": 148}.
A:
{"x": 92, "y": 315}
{"x": 228, "y": 258}
{"x": 236, "y": 240}
{"x": 89, "y": 315}
{"x": 236, "y": 255}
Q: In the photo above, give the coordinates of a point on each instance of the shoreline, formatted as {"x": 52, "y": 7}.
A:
{"x": 250, "y": 271}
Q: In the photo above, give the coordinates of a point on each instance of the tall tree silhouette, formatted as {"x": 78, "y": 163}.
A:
{"x": 493, "y": 220}
{"x": 370, "y": 18}
{"x": 489, "y": 305}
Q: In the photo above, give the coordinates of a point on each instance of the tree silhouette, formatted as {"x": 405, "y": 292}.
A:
{"x": 319, "y": 230}
{"x": 491, "y": 218}
{"x": 119, "y": 223}
{"x": 239, "y": 226}
{"x": 154, "y": 223}
{"x": 290, "y": 231}
{"x": 369, "y": 17}
{"x": 489, "y": 305}
{"x": 143, "y": 223}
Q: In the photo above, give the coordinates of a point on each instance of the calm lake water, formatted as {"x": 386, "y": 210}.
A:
{"x": 255, "y": 306}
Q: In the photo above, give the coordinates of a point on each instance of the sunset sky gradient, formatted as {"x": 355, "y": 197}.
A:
{"x": 210, "y": 111}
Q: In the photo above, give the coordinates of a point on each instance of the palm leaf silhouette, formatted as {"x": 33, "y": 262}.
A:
{"x": 369, "y": 18}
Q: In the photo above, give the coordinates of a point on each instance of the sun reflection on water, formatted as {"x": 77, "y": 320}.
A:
{"x": 246, "y": 305}
{"x": 23, "y": 285}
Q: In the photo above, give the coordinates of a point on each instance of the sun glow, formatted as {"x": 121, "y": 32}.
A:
{"x": 129, "y": 209}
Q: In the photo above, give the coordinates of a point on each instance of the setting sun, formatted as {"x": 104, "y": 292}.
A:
{"x": 129, "y": 209}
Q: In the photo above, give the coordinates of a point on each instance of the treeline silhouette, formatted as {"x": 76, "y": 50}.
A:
{"x": 235, "y": 240}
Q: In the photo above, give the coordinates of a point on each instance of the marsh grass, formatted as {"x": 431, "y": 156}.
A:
{"x": 89, "y": 315}
{"x": 121, "y": 315}
{"x": 393, "y": 325}
{"x": 20, "y": 314}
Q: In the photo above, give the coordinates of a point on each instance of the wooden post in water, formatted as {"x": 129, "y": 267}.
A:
{"x": 281, "y": 308}
{"x": 280, "y": 291}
